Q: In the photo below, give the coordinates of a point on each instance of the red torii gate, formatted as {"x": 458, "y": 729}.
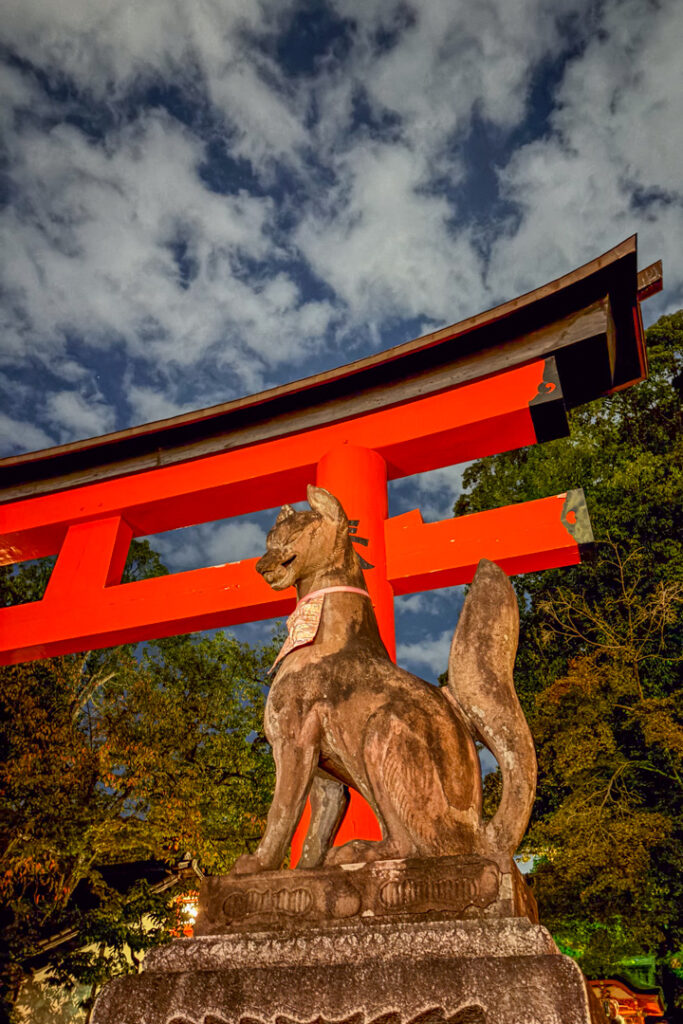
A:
{"x": 497, "y": 381}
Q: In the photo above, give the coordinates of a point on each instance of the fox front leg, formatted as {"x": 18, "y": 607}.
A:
{"x": 329, "y": 800}
{"x": 295, "y": 763}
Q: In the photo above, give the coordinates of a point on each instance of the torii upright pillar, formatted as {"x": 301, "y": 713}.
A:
{"x": 358, "y": 478}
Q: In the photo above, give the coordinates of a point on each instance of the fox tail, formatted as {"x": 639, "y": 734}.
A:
{"x": 480, "y": 681}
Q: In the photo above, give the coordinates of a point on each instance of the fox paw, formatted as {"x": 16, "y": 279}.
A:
{"x": 248, "y": 864}
{"x": 358, "y": 851}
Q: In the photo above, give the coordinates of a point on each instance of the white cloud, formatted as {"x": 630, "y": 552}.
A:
{"x": 412, "y": 604}
{"x": 73, "y": 415}
{"x": 148, "y": 404}
{"x": 210, "y": 544}
{"x": 108, "y": 44}
{"x": 383, "y": 241}
{"x": 19, "y": 436}
{"x": 617, "y": 138}
{"x": 430, "y": 653}
{"x": 19, "y": 92}
{"x": 95, "y": 226}
{"x": 444, "y": 603}
{"x": 107, "y": 48}
{"x": 386, "y": 236}
{"x": 433, "y": 493}
{"x": 267, "y": 126}
{"x": 93, "y": 238}
{"x": 453, "y": 58}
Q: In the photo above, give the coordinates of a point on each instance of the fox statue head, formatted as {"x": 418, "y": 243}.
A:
{"x": 303, "y": 545}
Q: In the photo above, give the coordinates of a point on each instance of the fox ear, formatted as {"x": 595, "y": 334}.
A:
{"x": 326, "y": 505}
{"x": 285, "y": 512}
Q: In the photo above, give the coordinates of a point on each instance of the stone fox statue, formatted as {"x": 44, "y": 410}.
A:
{"x": 340, "y": 713}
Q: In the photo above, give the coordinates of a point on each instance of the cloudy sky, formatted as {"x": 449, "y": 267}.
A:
{"x": 204, "y": 198}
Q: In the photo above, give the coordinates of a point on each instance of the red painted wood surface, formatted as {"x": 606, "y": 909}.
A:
{"x": 467, "y": 422}
{"x": 358, "y": 477}
{"x": 519, "y": 538}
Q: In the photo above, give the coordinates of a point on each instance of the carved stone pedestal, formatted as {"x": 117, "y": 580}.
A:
{"x": 458, "y": 887}
{"x": 439, "y": 941}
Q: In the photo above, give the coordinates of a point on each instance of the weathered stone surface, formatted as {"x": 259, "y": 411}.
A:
{"x": 469, "y": 972}
{"x": 456, "y": 886}
{"x": 340, "y": 713}
{"x": 351, "y": 944}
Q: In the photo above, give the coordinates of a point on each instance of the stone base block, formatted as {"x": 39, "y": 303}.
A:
{"x": 432, "y": 972}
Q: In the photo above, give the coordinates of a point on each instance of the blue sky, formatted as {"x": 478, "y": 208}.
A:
{"x": 204, "y": 198}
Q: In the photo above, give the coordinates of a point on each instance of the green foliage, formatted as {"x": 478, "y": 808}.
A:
{"x": 118, "y": 756}
{"x": 112, "y": 939}
{"x": 599, "y": 672}
{"x": 626, "y": 453}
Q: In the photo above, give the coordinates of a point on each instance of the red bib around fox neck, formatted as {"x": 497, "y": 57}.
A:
{"x": 303, "y": 623}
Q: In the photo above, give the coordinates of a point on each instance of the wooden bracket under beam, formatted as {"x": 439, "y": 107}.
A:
{"x": 650, "y": 281}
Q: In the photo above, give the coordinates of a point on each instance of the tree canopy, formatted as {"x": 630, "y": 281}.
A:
{"x": 599, "y": 673}
{"x": 118, "y": 756}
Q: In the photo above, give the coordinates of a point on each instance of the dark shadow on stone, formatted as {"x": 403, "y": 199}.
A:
{"x": 468, "y": 1015}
